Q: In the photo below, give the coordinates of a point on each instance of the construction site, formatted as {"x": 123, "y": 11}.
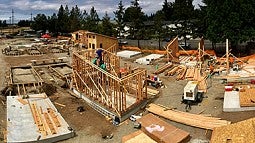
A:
{"x": 87, "y": 89}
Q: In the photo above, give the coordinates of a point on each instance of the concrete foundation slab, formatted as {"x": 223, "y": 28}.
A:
{"x": 127, "y": 54}
{"x": 21, "y": 125}
{"x": 232, "y": 102}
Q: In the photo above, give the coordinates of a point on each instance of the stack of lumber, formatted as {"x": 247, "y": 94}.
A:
{"x": 162, "y": 131}
{"x": 195, "y": 120}
{"x": 46, "y": 121}
{"x": 172, "y": 71}
{"x": 191, "y": 73}
{"x": 163, "y": 68}
{"x": 247, "y": 96}
{"x": 241, "y": 132}
{"x": 137, "y": 137}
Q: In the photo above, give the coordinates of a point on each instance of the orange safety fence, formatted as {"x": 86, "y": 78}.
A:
{"x": 181, "y": 52}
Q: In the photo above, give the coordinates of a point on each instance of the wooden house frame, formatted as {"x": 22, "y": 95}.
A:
{"x": 107, "y": 87}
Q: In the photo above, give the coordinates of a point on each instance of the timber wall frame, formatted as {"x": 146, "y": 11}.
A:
{"x": 172, "y": 49}
{"x": 107, "y": 87}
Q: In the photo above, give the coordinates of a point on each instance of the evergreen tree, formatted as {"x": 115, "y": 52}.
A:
{"x": 75, "y": 19}
{"x": 167, "y": 10}
{"x": 84, "y": 20}
{"x": 107, "y": 27}
{"x": 135, "y": 15}
{"x": 40, "y": 22}
{"x": 92, "y": 21}
{"x": 119, "y": 18}
{"x": 229, "y": 19}
{"x": 63, "y": 19}
{"x": 158, "y": 25}
{"x": 53, "y": 20}
{"x": 183, "y": 16}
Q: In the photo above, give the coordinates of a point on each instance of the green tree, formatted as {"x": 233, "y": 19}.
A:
{"x": 92, "y": 21}
{"x": 230, "y": 19}
{"x": 119, "y": 18}
{"x": 107, "y": 27}
{"x": 75, "y": 19}
{"x": 135, "y": 17}
{"x": 40, "y": 22}
{"x": 53, "y": 20}
{"x": 24, "y": 23}
{"x": 84, "y": 19}
{"x": 63, "y": 19}
{"x": 183, "y": 16}
{"x": 167, "y": 10}
{"x": 158, "y": 26}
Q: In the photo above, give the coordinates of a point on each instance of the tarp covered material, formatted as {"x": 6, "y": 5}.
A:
{"x": 46, "y": 36}
{"x": 127, "y": 54}
{"x": 148, "y": 59}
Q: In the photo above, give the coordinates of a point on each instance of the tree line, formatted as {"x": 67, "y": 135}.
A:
{"x": 215, "y": 20}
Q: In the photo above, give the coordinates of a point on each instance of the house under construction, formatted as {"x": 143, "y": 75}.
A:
{"x": 103, "y": 87}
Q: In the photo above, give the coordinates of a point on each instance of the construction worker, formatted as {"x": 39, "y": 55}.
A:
{"x": 211, "y": 68}
{"x": 99, "y": 55}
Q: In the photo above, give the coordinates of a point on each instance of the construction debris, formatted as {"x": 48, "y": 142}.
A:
{"x": 195, "y": 120}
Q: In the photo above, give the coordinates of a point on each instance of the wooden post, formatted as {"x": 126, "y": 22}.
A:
{"x": 227, "y": 56}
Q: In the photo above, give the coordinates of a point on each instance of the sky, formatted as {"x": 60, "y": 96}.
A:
{"x": 24, "y": 8}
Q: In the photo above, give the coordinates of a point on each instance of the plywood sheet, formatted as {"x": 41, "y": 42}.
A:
{"x": 241, "y": 132}
{"x": 161, "y": 131}
{"x": 247, "y": 96}
{"x": 137, "y": 137}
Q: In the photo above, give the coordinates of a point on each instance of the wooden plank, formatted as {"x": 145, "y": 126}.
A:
{"x": 163, "y": 68}
{"x": 54, "y": 117}
{"x": 38, "y": 120}
{"x": 49, "y": 123}
{"x": 22, "y": 101}
{"x": 62, "y": 105}
{"x": 195, "y": 120}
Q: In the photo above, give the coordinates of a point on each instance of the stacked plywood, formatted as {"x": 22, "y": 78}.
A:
{"x": 241, "y": 132}
{"x": 247, "y": 96}
{"x": 162, "y": 131}
{"x": 195, "y": 120}
{"x": 137, "y": 137}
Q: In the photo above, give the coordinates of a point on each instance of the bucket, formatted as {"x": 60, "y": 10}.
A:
{"x": 228, "y": 88}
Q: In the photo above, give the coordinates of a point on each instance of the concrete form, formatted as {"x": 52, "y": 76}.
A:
{"x": 148, "y": 59}
{"x": 32, "y": 77}
{"x": 232, "y": 102}
{"x": 128, "y": 54}
{"x": 21, "y": 124}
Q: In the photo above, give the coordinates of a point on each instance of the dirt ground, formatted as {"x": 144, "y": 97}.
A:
{"x": 90, "y": 126}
